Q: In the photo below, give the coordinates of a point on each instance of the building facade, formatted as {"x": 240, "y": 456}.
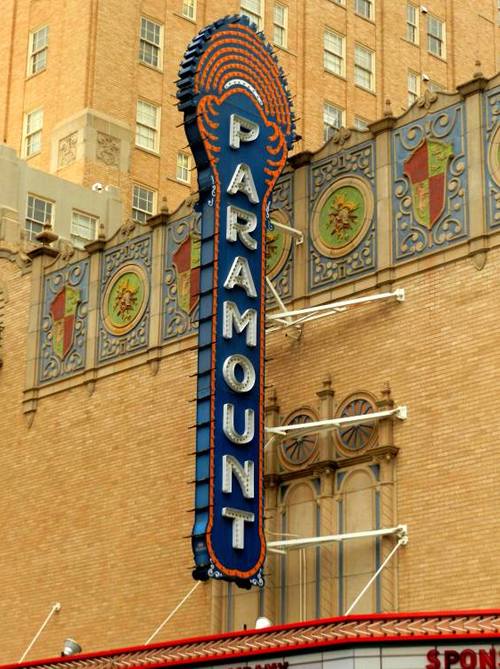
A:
{"x": 97, "y": 386}
{"x": 112, "y": 70}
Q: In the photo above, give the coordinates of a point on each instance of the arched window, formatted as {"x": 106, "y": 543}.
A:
{"x": 358, "y": 510}
{"x": 299, "y": 567}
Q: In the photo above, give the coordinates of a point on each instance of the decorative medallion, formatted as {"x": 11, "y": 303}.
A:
{"x": 354, "y": 438}
{"x": 186, "y": 261}
{"x": 426, "y": 169}
{"x": 278, "y": 245}
{"x": 494, "y": 156}
{"x": 63, "y": 312}
{"x": 299, "y": 451}
{"x": 125, "y": 299}
{"x": 345, "y": 213}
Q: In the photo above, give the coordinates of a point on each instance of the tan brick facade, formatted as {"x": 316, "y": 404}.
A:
{"x": 97, "y": 464}
{"x": 92, "y": 64}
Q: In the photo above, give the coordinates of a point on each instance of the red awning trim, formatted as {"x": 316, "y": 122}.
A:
{"x": 313, "y": 635}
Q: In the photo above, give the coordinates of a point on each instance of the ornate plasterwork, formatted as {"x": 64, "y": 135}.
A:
{"x": 492, "y": 151}
{"x": 181, "y": 278}
{"x": 67, "y": 149}
{"x": 279, "y": 244}
{"x": 108, "y": 149}
{"x": 124, "y": 305}
{"x": 64, "y": 322}
{"x": 429, "y": 183}
{"x": 342, "y": 240}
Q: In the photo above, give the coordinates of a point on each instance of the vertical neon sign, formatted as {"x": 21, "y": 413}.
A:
{"x": 239, "y": 124}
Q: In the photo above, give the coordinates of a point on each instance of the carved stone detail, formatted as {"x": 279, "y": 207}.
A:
{"x": 108, "y": 149}
{"x": 67, "y": 149}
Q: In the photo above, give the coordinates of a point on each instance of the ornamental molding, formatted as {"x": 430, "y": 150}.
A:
{"x": 325, "y": 634}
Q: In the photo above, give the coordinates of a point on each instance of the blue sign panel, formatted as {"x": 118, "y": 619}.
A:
{"x": 240, "y": 126}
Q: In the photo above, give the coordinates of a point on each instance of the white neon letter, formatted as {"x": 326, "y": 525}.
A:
{"x": 242, "y": 180}
{"x": 241, "y": 130}
{"x": 235, "y": 229}
{"x": 240, "y": 275}
{"x": 244, "y": 475}
{"x": 229, "y": 373}
{"x": 231, "y": 317}
{"x": 228, "y": 425}
{"x": 239, "y": 518}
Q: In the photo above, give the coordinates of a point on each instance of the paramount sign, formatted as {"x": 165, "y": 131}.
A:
{"x": 239, "y": 125}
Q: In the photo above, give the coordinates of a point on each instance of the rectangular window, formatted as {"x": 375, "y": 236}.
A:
{"x": 38, "y": 47}
{"x": 183, "y": 167}
{"x": 38, "y": 212}
{"x": 333, "y": 52}
{"x": 360, "y": 123}
{"x": 83, "y": 228}
{"x": 280, "y": 25}
{"x": 413, "y": 87}
{"x": 412, "y": 23}
{"x": 435, "y": 36}
{"x": 150, "y": 43}
{"x": 332, "y": 119}
{"x": 364, "y": 67}
{"x": 252, "y": 9}
{"x": 33, "y": 124}
{"x": 147, "y": 126}
{"x": 189, "y": 9}
{"x": 142, "y": 203}
{"x": 364, "y": 8}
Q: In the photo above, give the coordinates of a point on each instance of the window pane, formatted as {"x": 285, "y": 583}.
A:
{"x": 189, "y": 9}
{"x": 364, "y": 7}
{"x": 142, "y": 203}
{"x": 146, "y": 114}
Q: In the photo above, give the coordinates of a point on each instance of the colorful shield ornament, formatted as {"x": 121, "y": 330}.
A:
{"x": 125, "y": 299}
{"x": 63, "y": 313}
{"x": 186, "y": 261}
{"x": 426, "y": 169}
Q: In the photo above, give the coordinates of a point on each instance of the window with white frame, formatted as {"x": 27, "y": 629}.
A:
{"x": 364, "y": 8}
{"x": 333, "y": 117}
{"x": 143, "y": 202}
{"x": 412, "y": 23}
{"x": 183, "y": 167}
{"x": 147, "y": 125}
{"x": 364, "y": 67}
{"x": 38, "y": 48}
{"x": 38, "y": 212}
{"x": 83, "y": 228}
{"x": 189, "y": 9}
{"x": 150, "y": 43}
{"x": 334, "y": 52}
{"x": 32, "y": 140}
{"x": 252, "y": 9}
{"x": 435, "y": 36}
{"x": 280, "y": 25}
{"x": 413, "y": 87}
{"x": 360, "y": 123}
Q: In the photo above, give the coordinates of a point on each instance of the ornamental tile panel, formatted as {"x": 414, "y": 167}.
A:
{"x": 429, "y": 184}
{"x": 181, "y": 278}
{"x": 342, "y": 230}
{"x": 279, "y": 244}
{"x": 492, "y": 156}
{"x": 64, "y": 324}
{"x": 124, "y": 299}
